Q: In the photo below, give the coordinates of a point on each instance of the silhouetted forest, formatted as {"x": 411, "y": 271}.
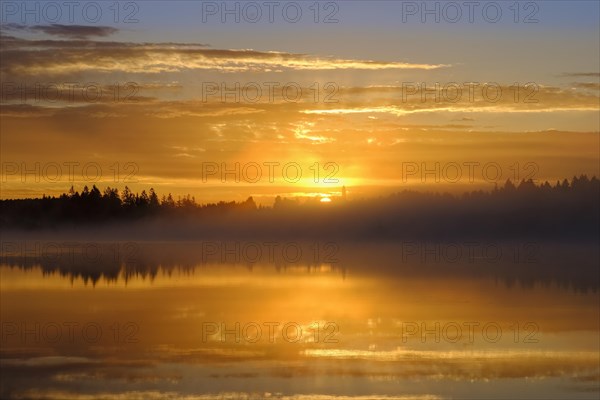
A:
{"x": 565, "y": 210}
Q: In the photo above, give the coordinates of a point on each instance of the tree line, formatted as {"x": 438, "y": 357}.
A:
{"x": 567, "y": 208}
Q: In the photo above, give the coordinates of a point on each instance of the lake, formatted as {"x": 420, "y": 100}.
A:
{"x": 323, "y": 320}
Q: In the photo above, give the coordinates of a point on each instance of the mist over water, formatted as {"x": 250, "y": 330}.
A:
{"x": 299, "y": 200}
{"x": 199, "y": 318}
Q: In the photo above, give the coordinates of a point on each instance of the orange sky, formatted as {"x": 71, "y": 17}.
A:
{"x": 204, "y": 112}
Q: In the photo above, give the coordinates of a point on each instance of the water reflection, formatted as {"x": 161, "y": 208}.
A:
{"x": 216, "y": 320}
{"x": 571, "y": 266}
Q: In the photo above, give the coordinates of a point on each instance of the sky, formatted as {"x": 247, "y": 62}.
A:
{"x": 215, "y": 100}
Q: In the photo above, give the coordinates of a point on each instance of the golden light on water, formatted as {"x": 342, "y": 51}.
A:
{"x": 320, "y": 200}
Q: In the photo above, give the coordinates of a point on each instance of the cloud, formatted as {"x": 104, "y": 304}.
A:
{"x": 588, "y": 85}
{"x": 411, "y": 99}
{"x": 581, "y": 74}
{"x": 65, "y": 31}
{"x": 357, "y": 100}
{"x": 52, "y": 57}
{"x": 25, "y": 111}
{"x": 69, "y": 93}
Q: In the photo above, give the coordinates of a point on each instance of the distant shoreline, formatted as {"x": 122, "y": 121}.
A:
{"x": 567, "y": 210}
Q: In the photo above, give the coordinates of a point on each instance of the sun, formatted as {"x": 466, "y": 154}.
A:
{"x": 325, "y": 200}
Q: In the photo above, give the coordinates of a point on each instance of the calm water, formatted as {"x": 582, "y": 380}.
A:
{"x": 204, "y": 320}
